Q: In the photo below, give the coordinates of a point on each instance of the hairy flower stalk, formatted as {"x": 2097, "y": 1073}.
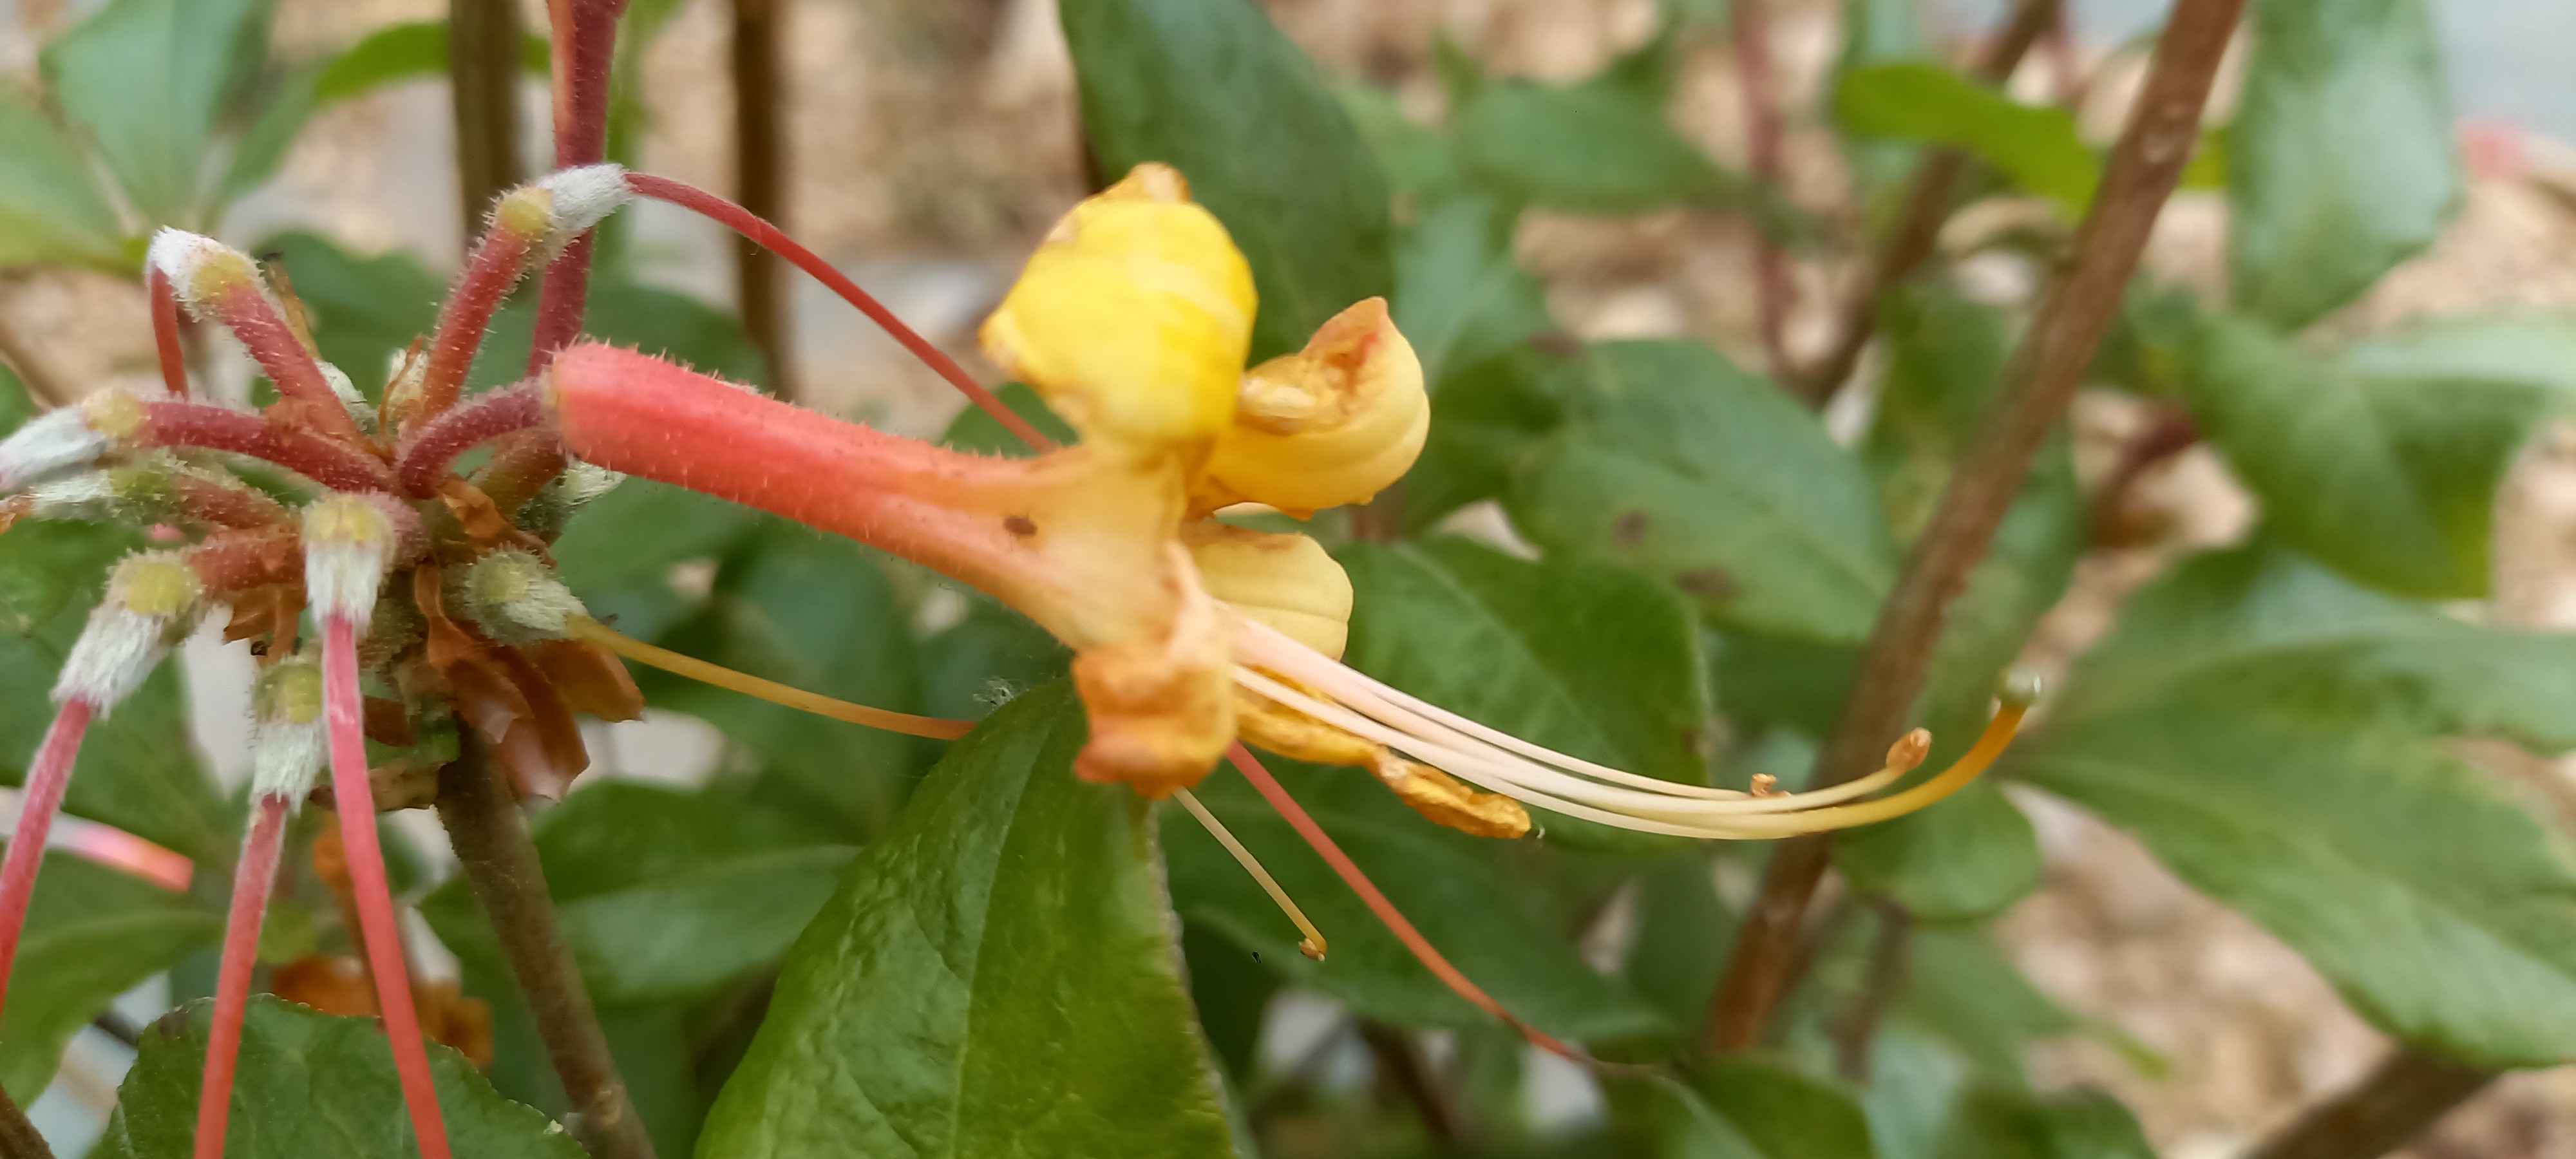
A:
{"x": 215, "y": 281}
{"x": 289, "y": 743}
{"x": 350, "y": 542}
{"x": 152, "y": 601}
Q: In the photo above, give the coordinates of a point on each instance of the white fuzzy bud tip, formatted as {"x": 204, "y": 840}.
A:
{"x": 50, "y": 445}
{"x": 581, "y": 198}
{"x": 517, "y": 599}
{"x": 151, "y": 605}
{"x": 348, "y": 545}
{"x": 200, "y": 269}
{"x": 289, "y": 742}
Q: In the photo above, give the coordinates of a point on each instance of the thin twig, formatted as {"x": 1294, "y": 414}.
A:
{"x": 483, "y": 82}
{"x": 2394, "y": 1103}
{"x": 1402, "y": 1066}
{"x": 759, "y": 169}
{"x": 1918, "y": 225}
{"x": 2144, "y": 167}
{"x": 1774, "y": 291}
{"x": 1889, "y": 962}
{"x": 500, "y": 863}
{"x": 19, "y": 1138}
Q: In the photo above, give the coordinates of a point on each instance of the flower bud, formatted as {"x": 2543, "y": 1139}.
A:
{"x": 288, "y": 738}
{"x": 516, "y": 599}
{"x": 1334, "y": 423}
{"x": 1133, "y": 319}
{"x": 350, "y": 542}
{"x": 70, "y": 439}
{"x": 152, "y": 603}
{"x": 580, "y": 198}
{"x": 201, "y": 270}
{"x": 1286, "y": 581}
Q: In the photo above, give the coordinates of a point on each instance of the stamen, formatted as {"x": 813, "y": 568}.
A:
{"x": 935, "y": 728}
{"x": 771, "y": 238}
{"x": 1541, "y": 777}
{"x": 1393, "y": 919}
{"x": 1312, "y": 945}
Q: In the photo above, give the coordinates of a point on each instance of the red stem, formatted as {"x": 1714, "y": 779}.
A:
{"x": 498, "y": 261}
{"x": 425, "y": 457}
{"x": 253, "y": 877}
{"x": 42, "y": 798}
{"x": 165, "y": 332}
{"x": 768, "y": 236}
{"x": 374, "y": 899}
{"x": 334, "y": 465}
{"x": 1385, "y": 910}
{"x": 247, "y": 313}
{"x": 585, "y": 49}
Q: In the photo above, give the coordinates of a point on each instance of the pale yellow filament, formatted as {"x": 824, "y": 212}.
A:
{"x": 936, "y": 728}
{"x": 1313, "y": 945}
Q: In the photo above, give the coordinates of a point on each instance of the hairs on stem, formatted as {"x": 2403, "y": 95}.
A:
{"x": 253, "y": 877}
{"x": 585, "y": 48}
{"x": 426, "y": 455}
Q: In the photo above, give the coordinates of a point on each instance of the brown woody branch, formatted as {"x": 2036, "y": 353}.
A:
{"x": 759, "y": 178}
{"x": 1918, "y": 224}
{"x": 1751, "y": 32}
{"x": 483, "y": 81}
{"x": 2145, "y": 166}
{"x": 19, "y": 1138}
{"x": 500, "y": 863}
{"x": 2396, "y": 1102}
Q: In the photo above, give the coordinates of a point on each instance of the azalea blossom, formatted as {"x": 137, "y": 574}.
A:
{"x": 1191, "y": 635}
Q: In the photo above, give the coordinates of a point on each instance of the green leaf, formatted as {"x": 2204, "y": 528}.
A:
{"x": 1601, "y": 145}
{"x": 2035, "y": 148}
{"x": 666, "y": 895}
{"x": 2280, "y": 739}
{"x": 2340, "y": 161}
{"x": 1588, "y": 660}
{"x": 1700, "y": 474}
{"x": 1218, "y": 93}
{"x": 261, "y": 149}
{"x": 1483, "y": 418}
{"x": 1684, "y": 932}
{"x": 974, "y": 430}
{"x": 413, "y": 50}
{"x": 1459, "y": 891}
{"x": 2077, "y": 1124}
{"x": 50, "y": 207}
{"x": 997, "y": 977}
{"x": 150, "y": 82}
{"x": 1961, "y": 991}
{"x": 363, "y": 310}
{"x": 651, "y": 319}
{"x": 2534, "y": 348}
{"x": 1418, "y": 161}
{"x": 1750, "y": 1107}
{"x": 1880, "y": 32}
{"x": 986, "y": 659}
{"x": 137, "y": 768}
{"x": 622, "y": 552}
{"x": 311, "y": 1084}
{"x": 814, "y": 612}
{"x": 2389, "y": 477}
{"x": 92, "y": 933}
{"x": 1967, "y": 857}
{"x": 1459, "y": 296}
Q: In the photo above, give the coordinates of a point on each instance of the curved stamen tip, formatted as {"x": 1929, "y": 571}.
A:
{"x": 2021, "y": 688}
{"x": 1909, "y": 750}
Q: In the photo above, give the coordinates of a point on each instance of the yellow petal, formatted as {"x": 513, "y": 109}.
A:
{"x": 1161, "y": 705}
{"x": 1286, "y": 581}
{"x": 1441, "y": 798}
{"x": 1133, "y": 319}
{"x": 1334, "y": 423}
